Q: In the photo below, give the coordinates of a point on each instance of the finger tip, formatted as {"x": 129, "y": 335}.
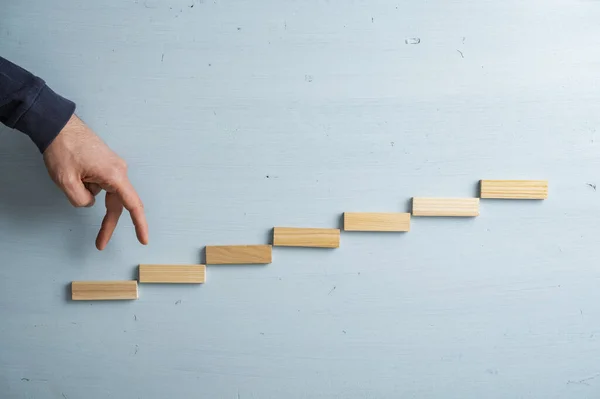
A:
{"x": 142, "y": 237}
{"x": 100, "y": 245}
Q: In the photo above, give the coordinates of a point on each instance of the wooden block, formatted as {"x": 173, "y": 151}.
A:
{"x": 300, "y": 237}
{"x": 176, "y": 274}
{"x": 238, "y": 254}
{"x": 103, "y": 290}
{"x": 514, "y": 189}
{"x": 445, "y": 207}
{"x": 376, "y": 221}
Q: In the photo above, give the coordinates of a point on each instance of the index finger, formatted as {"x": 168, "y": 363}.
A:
{"x": 132, "y": 202}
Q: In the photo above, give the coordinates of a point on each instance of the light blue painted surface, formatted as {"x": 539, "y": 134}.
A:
{"x": 328, "y": 101}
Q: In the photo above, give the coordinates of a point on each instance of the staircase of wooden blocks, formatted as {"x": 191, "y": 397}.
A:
{"x": 308, "y": 237}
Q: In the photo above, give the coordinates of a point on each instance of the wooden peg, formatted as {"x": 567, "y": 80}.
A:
{"x": 464, "y": 207}
{"x": 103, "y": 290}
{"x": 376, "y": 221}
{"x": 175, "y": 274}
{"x": 238, "y": 254}
{"x": 514, "y": 189}
{"x": 302, "y": 237}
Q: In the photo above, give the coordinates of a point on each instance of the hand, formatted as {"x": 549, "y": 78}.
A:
{"x": 81, "y": 165}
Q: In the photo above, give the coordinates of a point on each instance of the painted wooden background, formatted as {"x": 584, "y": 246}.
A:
{"x": 236, "y": 116}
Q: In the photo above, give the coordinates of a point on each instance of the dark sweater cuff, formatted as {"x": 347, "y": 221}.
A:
{"x": 46, "y": 118}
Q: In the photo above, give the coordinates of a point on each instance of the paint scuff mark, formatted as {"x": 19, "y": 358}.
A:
{"x": 412, "y": 40}
{"x": 584, "y": 381}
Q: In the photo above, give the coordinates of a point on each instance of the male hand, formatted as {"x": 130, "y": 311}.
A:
{"x": 82, "y": 165}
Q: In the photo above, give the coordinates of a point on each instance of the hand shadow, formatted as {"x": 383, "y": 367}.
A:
{"x": 31, "y": 205}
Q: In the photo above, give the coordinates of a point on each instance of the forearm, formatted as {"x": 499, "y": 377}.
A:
{"x": 27, "y": 104}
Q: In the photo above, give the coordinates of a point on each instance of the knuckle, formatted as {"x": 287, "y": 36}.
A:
{"x": 116, "y": 174}
{"x": 80, "y": 202}
{"x": 121, "y": 165}
{"x": 67, "y": 180}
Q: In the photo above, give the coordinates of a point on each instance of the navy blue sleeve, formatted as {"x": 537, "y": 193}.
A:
{"x": 28, "y": 105}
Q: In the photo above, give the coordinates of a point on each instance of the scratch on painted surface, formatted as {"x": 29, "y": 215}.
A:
{"x": 584, "y": 381}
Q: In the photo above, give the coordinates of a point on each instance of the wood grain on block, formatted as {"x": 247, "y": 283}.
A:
{"x": 104, "y": 290}
{"x": 238, "y": 254}
{"x": 465, "y": 207}
{"x": 514, "y": 189}
{"x": 175, "y": 274}
{"x": 376, "y": 221}
{"x": 302, "y": 237}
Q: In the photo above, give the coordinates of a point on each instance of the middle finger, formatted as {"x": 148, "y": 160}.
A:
{"x": 114, "y": 208}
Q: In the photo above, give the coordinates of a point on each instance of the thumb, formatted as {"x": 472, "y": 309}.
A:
{"x": 78, "y": 195}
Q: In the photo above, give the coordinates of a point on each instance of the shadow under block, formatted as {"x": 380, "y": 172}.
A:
{"x": 172, "y": 274}
{"x": 301, "y": 237}
{"x": 238, "y": 254}
{"x": 376, "y": 221}
{"x": 104, "y": 290}
{"x": 514, "y": 189}
{"x": 462, "y": 207}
